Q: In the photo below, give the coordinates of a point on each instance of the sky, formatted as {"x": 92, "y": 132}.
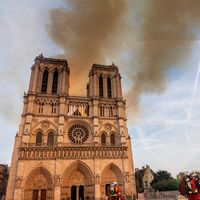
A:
{"x": 160, "y": 79}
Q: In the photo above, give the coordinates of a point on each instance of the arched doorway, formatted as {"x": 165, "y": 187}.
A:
{"x": 39, "y": 185}
{"x": 77, "y": 182}
{"x": 111, "y": 173}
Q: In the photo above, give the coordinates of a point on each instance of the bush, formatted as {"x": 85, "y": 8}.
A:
{"x": 166, "y": 185}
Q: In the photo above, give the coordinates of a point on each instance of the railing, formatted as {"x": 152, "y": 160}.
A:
{"x": 36, "y": 153}
{"x": 108, "y": 109}
{"x": 78, "y": 107}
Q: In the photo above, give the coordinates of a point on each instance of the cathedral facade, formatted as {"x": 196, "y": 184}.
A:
{"x": 71, "y": 147}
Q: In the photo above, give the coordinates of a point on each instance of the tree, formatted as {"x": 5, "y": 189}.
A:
{"x": 161, "y": 175}
{"x": 163, "y": 181}
{"x": 166, "y": 185}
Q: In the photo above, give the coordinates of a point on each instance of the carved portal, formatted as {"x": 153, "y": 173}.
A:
{"x": 78, "y": 175}
{"x": 111, "y": 173}
{"x": 39, "y": 183}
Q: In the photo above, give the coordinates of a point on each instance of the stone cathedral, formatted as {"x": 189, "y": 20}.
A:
{"x": 71, "y": 147}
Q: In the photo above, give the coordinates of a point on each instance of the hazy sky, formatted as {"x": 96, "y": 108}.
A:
{"x": 158, "y": 57}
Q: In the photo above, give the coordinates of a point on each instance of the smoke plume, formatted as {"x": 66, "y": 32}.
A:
{"x": 158, "y": 35}
{"x": 166, "y": 38}
{"x": 87, "y": 31}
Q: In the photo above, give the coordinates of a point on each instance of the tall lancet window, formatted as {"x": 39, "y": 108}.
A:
{"x": 55, "y": 82}
{"x": 44, "y": 81}
{"x": 109, "y": 90}
{"x": 112, "y": 139}
{"x": 103, "y": 139}
{"x": 38, "y": 140}
{"x": 100, "y": 86}
{"x": 50, "y": 140}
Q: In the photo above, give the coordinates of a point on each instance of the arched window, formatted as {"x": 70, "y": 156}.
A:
{"x": 38, "y": 140}
{"x": 100, "y": 86}
{"x": 50, "y": 139}
{"x": 103, "y": 139}
{"x": 112, "y": 139}
{"x": 44, "y": 81}
{"x": 109, "y": 90}
{"x": 55, "y": 82}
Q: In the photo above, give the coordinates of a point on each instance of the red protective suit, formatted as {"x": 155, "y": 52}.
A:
{"x": 195, "y": 186}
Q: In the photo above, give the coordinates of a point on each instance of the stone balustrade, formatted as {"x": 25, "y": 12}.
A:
{"x": 37, "y": 153}
{"x": 77, "y": 107}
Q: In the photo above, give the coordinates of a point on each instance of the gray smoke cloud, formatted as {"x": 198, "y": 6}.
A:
{"x": 87, "y": 31}
{"x": 159, "y": 33}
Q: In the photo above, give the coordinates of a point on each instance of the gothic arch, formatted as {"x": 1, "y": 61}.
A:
{"x": 109, "y": 87}
{"x": 39, "y": 138}
{"x": 44, "y": 125}
{"x": 55, "y": 82}
{"x": 82, "y": 168}
{"x": 113, "y": 139}
{"x": 108, "y": 127}
{"x": 103, "y": 135}
{"x": 101, "y": 86}
{"x": 77, "y": 175}
{"x": 112, "y": 173}
{"x": 51, "y": 138}
{"x": 44, "y": 83}
{"x": 86, "y": 123}
{"x": 39, "y": 178}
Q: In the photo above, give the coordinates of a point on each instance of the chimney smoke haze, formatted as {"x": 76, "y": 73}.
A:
{"x": 158, "y": 35}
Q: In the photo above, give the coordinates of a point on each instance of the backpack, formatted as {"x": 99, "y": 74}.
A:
{"x": 183, "y": 188}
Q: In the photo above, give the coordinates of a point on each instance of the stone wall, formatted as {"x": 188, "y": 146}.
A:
{"x": 167, "y": 195}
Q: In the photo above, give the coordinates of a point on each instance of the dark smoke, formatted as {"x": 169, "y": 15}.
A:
{"x": 88, "y": 30}
{"x": 159, "y": 33}
{"x": 165, "y": 41}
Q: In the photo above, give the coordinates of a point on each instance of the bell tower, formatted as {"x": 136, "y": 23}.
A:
{"x": 71, "y": 147}
{"x": 104, "y": 82}
{"x": 49, "y": 76}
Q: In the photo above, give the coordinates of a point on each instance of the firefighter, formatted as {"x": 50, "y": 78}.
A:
{"x": 194, "y": 181}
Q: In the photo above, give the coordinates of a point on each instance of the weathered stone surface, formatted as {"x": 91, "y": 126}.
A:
{"x": 69, "y": 147}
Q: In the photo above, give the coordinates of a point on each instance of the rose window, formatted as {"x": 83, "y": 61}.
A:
{"x": 78, "y": 133}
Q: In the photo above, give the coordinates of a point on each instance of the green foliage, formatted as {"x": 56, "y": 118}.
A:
{"x": 163, "y": 181}
{"x": 166, "y": 185}
{"x": 161, "y": 175}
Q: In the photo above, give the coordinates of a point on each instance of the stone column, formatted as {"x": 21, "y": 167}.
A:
{"x": 59, "y": 89}
{"x": 57, "y": 193}
{"x": 31, "y": 79}
{"x": 90, "y": 86}
{"x": 95, "y": 85}
{"x": 50, "y": 82}
{"x": 39, "y": 80}
{"x": 77, "y": 192}
{"x": 97, "y": 191}
{"x": 105, "y": 93}
{"x": 114, "y": 88}
{"x": 35, "y": 79}
{"x": 62, "y": 114}
{"x": 119, "y": 88}
{"x": 67, "y": 84}
{"x": 18, "y": 194}
{"x": 13, "y": 170}
{"x": 63, "y": 81}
